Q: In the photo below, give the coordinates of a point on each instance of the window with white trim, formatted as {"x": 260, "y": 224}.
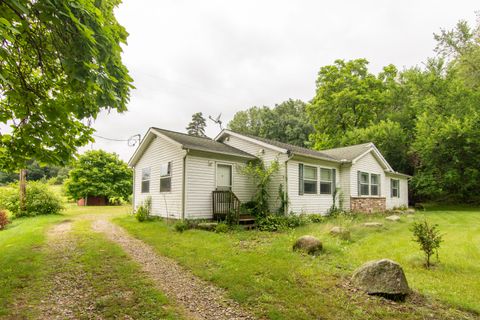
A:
{"x": 327, "y": 180}
{"x": 310, "y": 179}
{"x": 166, "y": 177}
{"x": 395, "y": 188}
{"x": 145, "y": 180}
{"x": 368, "y": 184}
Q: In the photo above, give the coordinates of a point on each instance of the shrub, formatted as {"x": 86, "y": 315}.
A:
{"x": 181, "y": 225}
{"x": 40, "y": 200}
{"x": 316, "y": 218}
{"x": 428, "y": 237}
{"x": 279, "y": 223}
{"x": 221, "y": 228}
{"x": 3, "y": 219}
{"x": 143, "y": 212}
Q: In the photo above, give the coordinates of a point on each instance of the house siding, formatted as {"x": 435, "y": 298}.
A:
{"x": 345, "y": 187}
{"x": 403, "y": 199}
{"x": 201, "y": 182}
{"x": 309, "y": 203}
{"x": 268, "y": 155}
{"x": 166, "y": 204}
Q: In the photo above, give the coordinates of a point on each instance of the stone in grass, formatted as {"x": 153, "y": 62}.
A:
{"x": 342, "y": 233}
{"x": 308, "y": 244}
{"x": 393, "y": 218}
{"x": 208, "y": 226}
{"x": 373, "y": 224}
{"x": 410, "y": 211}
{"x": 382, "y": 277}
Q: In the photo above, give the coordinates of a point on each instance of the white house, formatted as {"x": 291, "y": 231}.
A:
{"x": 185, "y": 175}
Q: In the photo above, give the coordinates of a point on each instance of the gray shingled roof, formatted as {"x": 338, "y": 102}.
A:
{"x": 203, "y": 144}
{"x": 348, "y": 153}
{"x": 293, "y": 148}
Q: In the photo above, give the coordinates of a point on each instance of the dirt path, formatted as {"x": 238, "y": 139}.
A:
{"x": 201, "y": 299}
{"x": 70, "y": 296}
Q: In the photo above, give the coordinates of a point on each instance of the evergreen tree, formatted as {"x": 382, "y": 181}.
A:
{"x": 196, "y": 127}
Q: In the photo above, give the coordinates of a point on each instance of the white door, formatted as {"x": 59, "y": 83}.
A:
{"x": 224, "y": 177}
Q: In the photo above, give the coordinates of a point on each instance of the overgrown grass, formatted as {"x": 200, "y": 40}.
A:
{"x": 260, "y": 270}
{"x": 120, "y": 288}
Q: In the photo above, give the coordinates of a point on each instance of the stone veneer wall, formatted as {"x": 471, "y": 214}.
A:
{"x": 367, "y": 204}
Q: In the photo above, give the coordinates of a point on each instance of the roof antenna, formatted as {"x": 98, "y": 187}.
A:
{"x": 217, "y": 120}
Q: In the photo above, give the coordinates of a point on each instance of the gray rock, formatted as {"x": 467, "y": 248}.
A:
{"x": 381, "y": 277}
{"x": 410, "y": 211}
{"x": 340, "y": 232}
{"x": 308, "y": 244}
{"x": 393, "y": 218}
{"x": 373, "y": 224}
{"x": 209, "y": 226}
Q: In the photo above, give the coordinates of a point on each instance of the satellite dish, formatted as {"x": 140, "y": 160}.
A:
{"x": 217, "y": 120}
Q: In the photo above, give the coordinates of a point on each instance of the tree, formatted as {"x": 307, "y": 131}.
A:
{"x": 99, "y": 173}
{"x": 286, "y": 122}
{"x": 428, "y": 237}
{"x": 348, "y": 96}
{"x": 389, "y": 137}
{"x": 197, "y": 126}
{"x": 60, "y": 65}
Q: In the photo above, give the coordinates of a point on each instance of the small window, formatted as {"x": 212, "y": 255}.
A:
{"x": 375, "y": 184}
{"x": 310, "y": 179}
{"x": 326, "y": 180}
{"x": 395, "y": 188}
{"x": 145, "y": 180}
{"x": 364, "y": 184}
{"x": 166, "y": 177}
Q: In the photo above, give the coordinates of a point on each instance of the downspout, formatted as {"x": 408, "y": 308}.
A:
{"x": 286, "y": 182}
{"x": 184, "y": 183}
{"x": 133, "y": 192}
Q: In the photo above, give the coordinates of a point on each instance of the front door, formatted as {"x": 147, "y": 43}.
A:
{"x": 224, "y": 177}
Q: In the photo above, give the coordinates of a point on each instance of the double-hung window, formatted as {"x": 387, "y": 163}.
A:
{"x": 368, "y": 184}
{"x": 145, "y": 180}
{"x": 327, "y": 180}
{"x": 308, "y": 179}
{"x": 166, "y": 177}
{"x": 395, "y": 188}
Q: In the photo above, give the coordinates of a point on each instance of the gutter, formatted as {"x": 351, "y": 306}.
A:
{"x": 290, "y": 156}
{"x": 184, "y": 183}
{"x": 133, "y": 191}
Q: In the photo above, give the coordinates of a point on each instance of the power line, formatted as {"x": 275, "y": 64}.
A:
{"x": 132, "y": 141}
{"x": 110, "y": 139}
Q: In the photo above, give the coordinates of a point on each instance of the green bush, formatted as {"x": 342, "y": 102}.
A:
{"x": 221, "y": 228}
{"x": 316, "y": 218}
{"x": 143, "y": 212}
{"x": 3, "y": 219}
{"x": 181, "y": 225}
{"x": 40, "y": 200}
{"x": 428, "y": 237}
{"x": 279, "y": 222}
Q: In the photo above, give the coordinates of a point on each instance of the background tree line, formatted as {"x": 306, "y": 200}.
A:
{"x": 425, "y": 120}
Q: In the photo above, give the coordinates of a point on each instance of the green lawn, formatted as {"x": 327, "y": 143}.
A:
{"x": 28, "y": 269}
{"x": 259, "y": 269}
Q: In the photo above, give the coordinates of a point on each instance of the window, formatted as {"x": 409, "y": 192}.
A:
{"x": 145, "y": 180}
{"x": 327, "y": 180}
{"x": 374, "y": 184}
{"x": 395, "y": 188}
{"x": 364, "y": 186}
{"x": 368, "y": 184}
{"x": 310, "y": 179}
{"x": 166, "y": 177}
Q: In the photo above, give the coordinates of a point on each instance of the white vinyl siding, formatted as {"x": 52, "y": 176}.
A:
{"x": 308, "y": 203}
{"x": 201, "y": 182}
{"x": 368, "y": 164}
{"x": 403, "y": 189}
{"x": 268, "y": 155}
{"x": 165, "y": 204}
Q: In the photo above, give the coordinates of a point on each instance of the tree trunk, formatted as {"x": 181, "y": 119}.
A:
{"x": 23, "y": 190}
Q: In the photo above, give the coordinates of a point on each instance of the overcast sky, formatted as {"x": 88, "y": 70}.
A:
{"x": 225, "y": 56}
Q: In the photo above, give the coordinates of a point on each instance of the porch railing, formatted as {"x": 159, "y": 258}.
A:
{"x": 226, "y": 206}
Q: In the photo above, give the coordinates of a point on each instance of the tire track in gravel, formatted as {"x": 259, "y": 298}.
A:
{"x": 201, "y": 299}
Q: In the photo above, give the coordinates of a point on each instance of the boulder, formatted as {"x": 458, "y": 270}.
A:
{"x": 382, "y": 277}
{"x": 308, "y": 244}
{"x": 410, "y": 211}
{"x": 209, "y": 226}
{"x": 393, "y": 218}
{"x": 373, "y": 224}
{"x": 340, "y": 232}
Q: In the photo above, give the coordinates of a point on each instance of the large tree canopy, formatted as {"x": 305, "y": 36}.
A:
{"x": 60, "y": 65}
{"x": 197, "y": 126}
{"x": 99, "y": 173}
{"x": 286, "y": 122}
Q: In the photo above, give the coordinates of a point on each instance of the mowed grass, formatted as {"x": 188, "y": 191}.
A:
{"x": 119, "y": 286}
{"x": 259, "y": 269}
